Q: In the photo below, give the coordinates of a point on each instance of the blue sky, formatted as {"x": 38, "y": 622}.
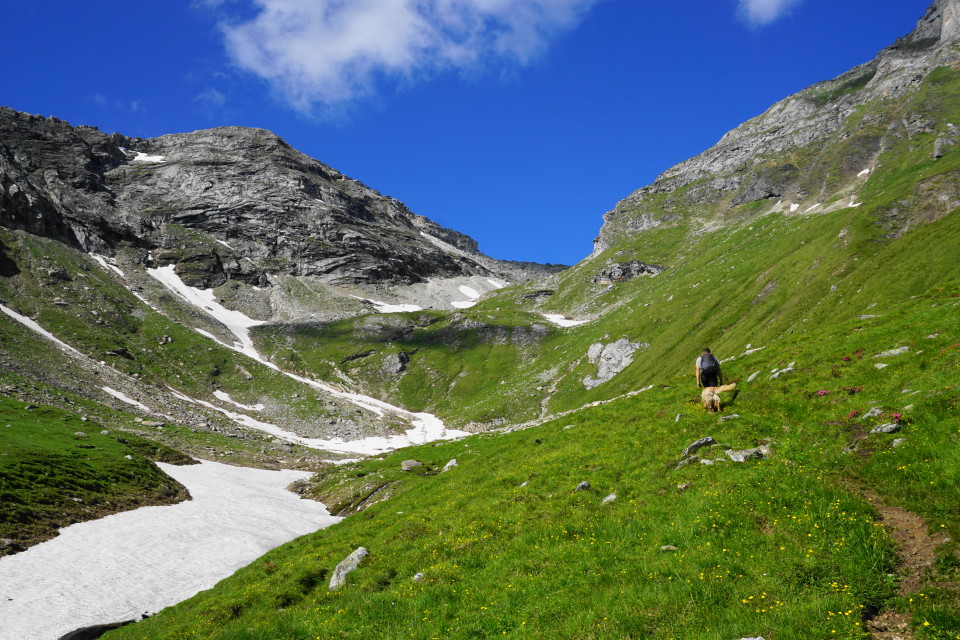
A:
{"x": 518, "y": 122}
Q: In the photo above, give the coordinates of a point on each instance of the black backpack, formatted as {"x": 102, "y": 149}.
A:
{"x": 709, "y": 363}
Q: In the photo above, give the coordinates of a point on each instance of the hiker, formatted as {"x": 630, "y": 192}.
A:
{"x": 708, "y": 370}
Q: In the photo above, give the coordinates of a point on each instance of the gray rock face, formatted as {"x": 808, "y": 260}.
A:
{"x": 611, "y": 359}
{"x": 624, "y": 271}
{"x": 265, "y": 207}
{"x": 348, "y": 564}
{"x": 747, "y": 164}
{"x": 890, "y": 427}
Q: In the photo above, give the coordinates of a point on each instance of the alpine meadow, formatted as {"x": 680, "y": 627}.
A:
{"x": 520, "y": 449}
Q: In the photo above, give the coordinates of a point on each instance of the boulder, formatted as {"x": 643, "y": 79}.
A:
{"x": 742, "y": 455}
{"x": 449, "y": 465}
{"x": 349, "y": 563}
{"x": 583, "y": 486}
{"x": 890, "y": 427}
{"x": 396, "y": 363}
{"x": 407, "y": 465}
{"x": 611, "y": 359}
{"x": 610, "y": 498}
{"x": 697, "y": 445}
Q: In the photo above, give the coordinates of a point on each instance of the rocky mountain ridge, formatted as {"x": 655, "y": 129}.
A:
{"x": 268, "y": 208}
{"x": 774, "y": 156}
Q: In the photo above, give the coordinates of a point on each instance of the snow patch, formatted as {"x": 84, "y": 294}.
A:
{"x": 33, "y": 326}
{"x": 108, "y": 263}
{"x": 120, "y": 395}
{"x": 220, "y": 395}
{"x": 386, "y": 307}
{"x": 794, "y": 207}
{"x": 120, "y": 566}
{"x": 562, "y": 321}
{"x": 471, "y": 293}
{"x": 864, "y": 173}
{"x": 497, "y": 284}
{"x": 146, "y": 157}
{"x": 426, "y": 428}
{"x": 238, "y": 323}
{"x": 813, "y": 207}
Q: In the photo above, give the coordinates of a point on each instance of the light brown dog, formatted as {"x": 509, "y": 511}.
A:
{"x": 711, "y": 397}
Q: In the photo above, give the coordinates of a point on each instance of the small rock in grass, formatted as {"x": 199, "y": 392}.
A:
{"x": 407, "y": 465}
{"x": 583, "y": 486}
{"x": 890, "y": 427}
{"x": 677, "y": 419}
{"x": 610, "y": 498}
{"x": 346, "y": 566}
{"x": 105, "y": 432}
{"x": 899, "y": 351}
{"x": 686, "y": 461}
{"x": 449, "y": 465}
{"x": 932, "y": 336}
{"x": 873, "y": 413}
{"x": 699, "y": 444}
{"x": 418, "y": 577}
{"x": 569, "y": 426}
{"x": 523, "y": 485}
{"x": 80, "y": 434}
{"x": 743, "y": 455}
{"x": 898, "y": 442}
{"x": 668, "y": 547}
{"x": 683, "y": 486}
{"x": 880, "y": 365}
{"x": 753, "y": 376}
{"x": 128, "y": 457}
{"x": 706, "y": 462}
{"x": 732, "y": 416}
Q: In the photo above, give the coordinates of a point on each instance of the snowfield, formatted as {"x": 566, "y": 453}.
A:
{"x": 561, "y": 321}
{"x": 119, "y": 567}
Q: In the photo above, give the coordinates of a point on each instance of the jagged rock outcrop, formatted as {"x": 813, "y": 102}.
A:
{"x": 261, "y": 207}
{"x": 625, "y": 271}
{"x": 779, "y": 156}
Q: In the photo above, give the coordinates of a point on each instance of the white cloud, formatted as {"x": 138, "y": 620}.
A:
{"x": 762, "y": 12}
{"x": 333, "y": 51}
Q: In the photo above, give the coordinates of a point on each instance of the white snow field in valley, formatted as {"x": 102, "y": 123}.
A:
{"x": 124, "y": 565}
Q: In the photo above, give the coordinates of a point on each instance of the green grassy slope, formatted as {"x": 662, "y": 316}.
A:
{"x": 57, "y": 469}
{"x": 792, "y": 546}
{"x": 784, "y": 547}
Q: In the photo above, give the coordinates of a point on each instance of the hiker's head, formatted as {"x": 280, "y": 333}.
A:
{"x": 705, "y": 350}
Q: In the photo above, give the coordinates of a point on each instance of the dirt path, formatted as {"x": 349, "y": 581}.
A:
{"x": 916, "y": 550}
